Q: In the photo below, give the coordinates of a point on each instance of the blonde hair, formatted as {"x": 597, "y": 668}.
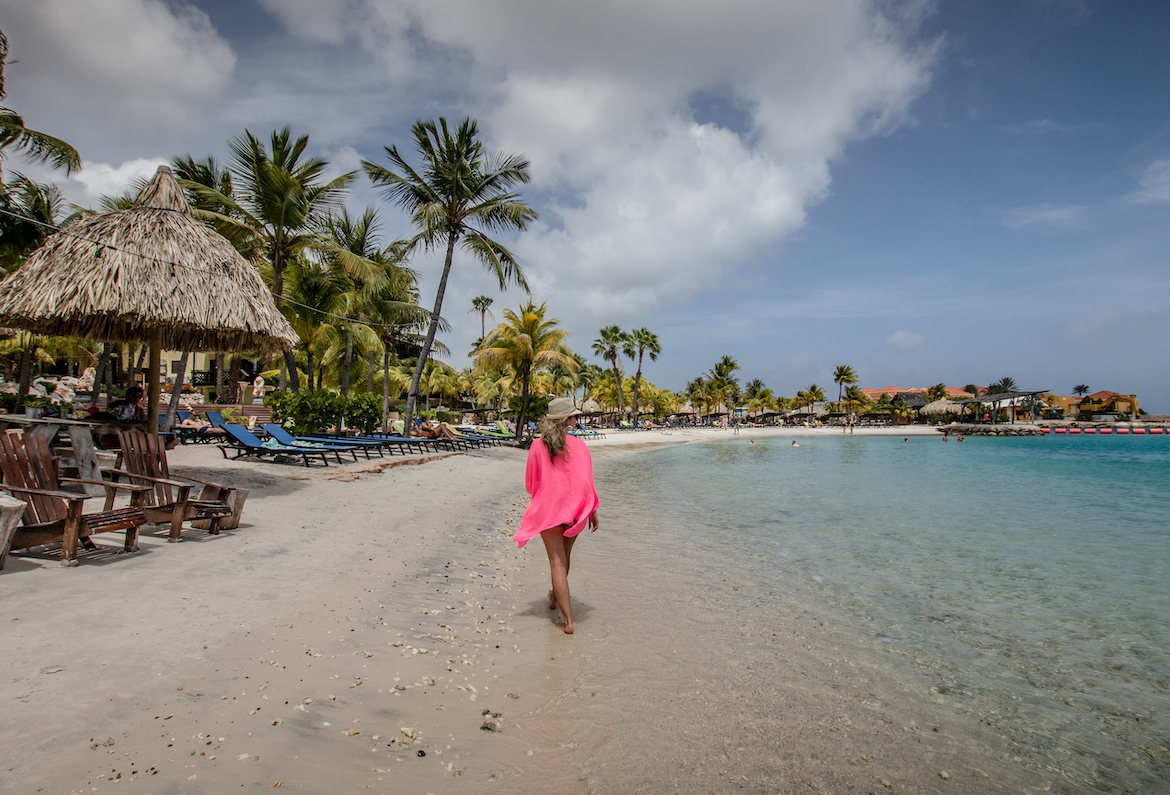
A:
{"x": 552, "y": 433}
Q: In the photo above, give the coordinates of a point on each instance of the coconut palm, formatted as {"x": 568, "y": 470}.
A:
{"x": 641, "y": 341}
{"x": 1005, "y": 384}
{"x": 814, "y": 394}
{"x": 972, "y": 390}
{"x": 524, "y": 342}
{"x": 588, "y": 376}
{"x": 35, "y": 146}
{"x": 318, "y": 295}
{"x": 480, "y": 304}
{"x": 855, "y": 399}
{"x": 722, "y": 380}
{"x": 937, "y": 392}
{"x": 458, "y": 195}
{"x": 277, "y": 203}
{"x": 609, "y": 345}
{"x": 1080, "y": 390}
{"x": 843, "y": 376}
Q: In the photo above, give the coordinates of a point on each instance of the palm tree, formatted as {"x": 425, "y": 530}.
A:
{"x": 480, "y": 304}
{"x": 588, "y": 376}
{"x": 1080, "y": 390}
{"x": 937, "y": 392}
{"x": 1005, "y": 384}
{"x": 459, "y": 194}
{"x": 35, "y": 146}
{"x": 813, "y": 394}
{"x": 317, "y": 294}
{"x": 843, "y": 376}
{"x": 722, "y": 379}
{"x": 972, "y": 390}
{"x": 608, "y": 346}
{"x": 854, "y": 397}
{"x": 276, "y": 207}
{"x": 526, "y": 341}
{"x": 643, "y": 341}
{"x": 372, "y": 274}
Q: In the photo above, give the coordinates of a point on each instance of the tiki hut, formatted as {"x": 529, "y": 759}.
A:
{"x": 940, "y": 407}
{"x": 150, "y": 273}
{"x": 591, "y": 406}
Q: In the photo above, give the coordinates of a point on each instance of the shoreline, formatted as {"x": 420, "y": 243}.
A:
{"x": 356, "y": 619}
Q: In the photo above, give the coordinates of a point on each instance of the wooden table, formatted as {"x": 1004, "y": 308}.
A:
{"x": 80, "y": 432}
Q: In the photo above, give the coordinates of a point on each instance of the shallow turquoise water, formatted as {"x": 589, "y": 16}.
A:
{"x": 1029, "y": 576}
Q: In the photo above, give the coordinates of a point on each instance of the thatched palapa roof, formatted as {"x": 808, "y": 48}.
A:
{"x": 121, "y": 276}
{"x": 942, "y": 406}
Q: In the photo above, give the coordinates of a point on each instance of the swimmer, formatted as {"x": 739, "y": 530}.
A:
{"x": 753, "y": 441}
{"x": 905, "y": 438}
{"x": 961, "y": 439}
{"x": 794, "y": 444}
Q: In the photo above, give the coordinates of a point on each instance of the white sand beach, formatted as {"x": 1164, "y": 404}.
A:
{"x": 379, "y": 631}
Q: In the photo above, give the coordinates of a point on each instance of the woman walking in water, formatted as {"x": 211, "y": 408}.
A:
{"x": 560, "y": 479}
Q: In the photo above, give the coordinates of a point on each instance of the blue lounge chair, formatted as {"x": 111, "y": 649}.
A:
{"x": 284, "y": 437}
{"x": 245, "y": 443}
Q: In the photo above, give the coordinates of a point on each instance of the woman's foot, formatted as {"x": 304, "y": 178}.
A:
{"x": 566, "y": 627}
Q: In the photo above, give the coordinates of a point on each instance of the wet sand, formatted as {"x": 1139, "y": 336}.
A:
{"x": 380, "y": 632}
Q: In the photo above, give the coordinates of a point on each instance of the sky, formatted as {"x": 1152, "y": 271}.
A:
{"x": 928, "y": 190}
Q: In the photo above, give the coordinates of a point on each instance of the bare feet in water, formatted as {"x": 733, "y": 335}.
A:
{"x": 552, "y": 605}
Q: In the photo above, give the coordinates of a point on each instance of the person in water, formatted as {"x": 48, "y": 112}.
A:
{"x": 564, "y": 500}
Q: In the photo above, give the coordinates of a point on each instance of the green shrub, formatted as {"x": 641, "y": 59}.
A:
{"x": 8, "y": 400}
{"x": 306, "y": 412}
{"x": 364, "y": 412}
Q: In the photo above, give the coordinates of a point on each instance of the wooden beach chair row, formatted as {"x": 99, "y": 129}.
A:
{"x": 53, "y": 515}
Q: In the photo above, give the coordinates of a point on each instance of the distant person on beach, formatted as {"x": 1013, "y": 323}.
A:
{"x": 560, "y": 479}
{"x": 130, "y": 409}
{"x": 794, "y": 444}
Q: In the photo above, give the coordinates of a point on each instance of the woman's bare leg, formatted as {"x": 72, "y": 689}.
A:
{"x": 558, "y": 562}
{"x": 552, "y": 597}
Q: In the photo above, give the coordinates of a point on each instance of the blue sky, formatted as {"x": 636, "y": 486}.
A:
{"x": 928, "y": 191}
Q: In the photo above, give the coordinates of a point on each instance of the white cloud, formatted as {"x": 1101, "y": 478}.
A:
{"x": 120, "y": 67}
{"x": 646, "y": 202}
{"x": 1155, "y": 184}
{"x": 905, "y": 339}
{"x": 1042, "y": 215}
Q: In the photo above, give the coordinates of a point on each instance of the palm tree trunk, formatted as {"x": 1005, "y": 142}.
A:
{"x": 220, "y": 378}
{"x": 617, "y": 380}
{"x": 524, "y": 404}
{"x": 99, "y": 377}
{"x": 637, "y": 381}
{"x": 290, "y": 363}
{"x": 309, "y": 362}
{"x": 385, "y": 386}
{"x": 369, "y": 371}
{"x": 26, "y": 362}
{"x": 176, "y": 392}
{"x": 412, "y": 395}
{"x": 348, "y": 363}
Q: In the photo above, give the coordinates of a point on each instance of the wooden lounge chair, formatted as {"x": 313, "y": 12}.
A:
{"x": 52, "y": 515}
{"x": 144, "y": 461}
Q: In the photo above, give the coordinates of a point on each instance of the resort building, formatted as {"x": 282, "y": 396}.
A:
{"x": 1099, "y": 403}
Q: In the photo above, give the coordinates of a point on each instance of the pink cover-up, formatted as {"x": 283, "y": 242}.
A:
{"x": 562, "y": 490}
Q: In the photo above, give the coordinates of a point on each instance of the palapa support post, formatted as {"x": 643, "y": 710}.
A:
{"x": 152, "y": 385}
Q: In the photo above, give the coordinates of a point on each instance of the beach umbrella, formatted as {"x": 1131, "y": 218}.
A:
{"x": 151, "y": 273}
{"x": 941, "y": 406}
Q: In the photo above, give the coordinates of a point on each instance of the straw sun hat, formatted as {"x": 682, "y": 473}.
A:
{"x": 561, "y": 408}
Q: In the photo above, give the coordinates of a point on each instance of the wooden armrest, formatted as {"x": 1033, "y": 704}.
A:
{"x": 174, "y": 483}
{"x": 203, "y": 482}
{"x": 64, "y": 495}
{"x": 106, "y": 483}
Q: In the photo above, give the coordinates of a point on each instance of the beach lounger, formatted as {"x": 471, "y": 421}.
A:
{"x": 143, "y": 460}
{"x": 278, "y": 433}
{"x": 245, "y": 444}
{"x": 52, "y": 515}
